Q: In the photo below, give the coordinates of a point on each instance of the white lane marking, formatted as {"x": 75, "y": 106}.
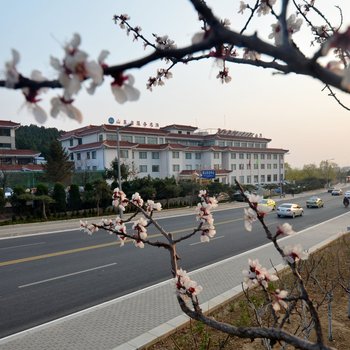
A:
{"x": 211, "y": 239}
{"x": 91, "y": 220}
{"x": 22, "y": 245}
{"x": 64, "y": 276}
{"x": 140, "y": 291}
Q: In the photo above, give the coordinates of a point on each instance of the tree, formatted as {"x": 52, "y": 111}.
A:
{"x": 293, "y": 303}
{"x": 58, "y": 167}
{"x": 36, "y": 138}
{"x": 328, "y": 64}
{"x": 59, "y": 196}
{"x": 276, "y": 51}
{"x": 112, "y": 172}
{"x": 74, "y": 199}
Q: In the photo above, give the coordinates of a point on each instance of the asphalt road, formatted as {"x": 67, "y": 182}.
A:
{"x": 44, "y": 277}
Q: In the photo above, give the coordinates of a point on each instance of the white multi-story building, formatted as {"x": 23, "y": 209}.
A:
{"x": 177, "y": 150}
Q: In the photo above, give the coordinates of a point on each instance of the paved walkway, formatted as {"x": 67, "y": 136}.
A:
{"x": 135, "y": 320}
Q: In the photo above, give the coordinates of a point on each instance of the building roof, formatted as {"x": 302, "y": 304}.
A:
{"x": 21, "y": 167}
{"x": 19, "y": 153}
{"x": 9, "y": 124}
{"x": 179, "y": 127}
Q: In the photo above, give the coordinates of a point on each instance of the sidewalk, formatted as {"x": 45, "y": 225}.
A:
{"x": 135, "y": 320}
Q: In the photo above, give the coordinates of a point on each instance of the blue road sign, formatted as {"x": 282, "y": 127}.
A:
{"x": 208, "y": 174}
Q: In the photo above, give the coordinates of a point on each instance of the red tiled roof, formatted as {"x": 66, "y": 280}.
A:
{"x": 19, "y": 153}
{"x": 178, "y": 126}
{"x": 21, "y": 167}
{"x": 9, "y": 124}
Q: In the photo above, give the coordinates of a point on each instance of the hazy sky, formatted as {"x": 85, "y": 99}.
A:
{"x": 291, "y": 110}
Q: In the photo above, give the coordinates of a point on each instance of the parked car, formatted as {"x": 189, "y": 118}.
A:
{"x": 337, "y": 192}
{"x": 8, "y": 192}
{"x": 330, "y": 189}
{"x": 347, "y": 194}
{"x": 314, "y": 202}
{"x": 268, "y": 202}
{"x": 289, "y": 209}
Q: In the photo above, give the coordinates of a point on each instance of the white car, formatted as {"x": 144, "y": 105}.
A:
{"x": 289, "y": 209}
{"x": 347, "y": 194}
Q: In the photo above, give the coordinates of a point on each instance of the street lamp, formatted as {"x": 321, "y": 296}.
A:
{"x": 327, "y": 169}
{"x": 111, "y": 121}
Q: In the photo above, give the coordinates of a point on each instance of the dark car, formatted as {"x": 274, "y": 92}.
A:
{"x": 237, "y": 196}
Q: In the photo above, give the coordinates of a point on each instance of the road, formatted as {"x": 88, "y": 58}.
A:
{"x": 43, "y": 277}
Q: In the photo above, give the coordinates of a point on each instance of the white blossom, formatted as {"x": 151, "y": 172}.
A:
{"x": 60, "y": 105}
{"x": 123, "y": 89}
{"x": 249, "y": 218}
{"x": 11, "y": 73}
{"x": 295, "y": 253}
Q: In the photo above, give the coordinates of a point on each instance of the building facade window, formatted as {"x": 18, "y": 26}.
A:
{"x": 127, "y": 138}
{"x": 155, "y": 155}
{"x": 198, "y": 155}
{"x": 216, "y": 155}
{"x": 188, "y": 155}
{"x": 216, "y": 166}
{"x": 152, "y": 140}
{"x": 71, "y": 142}
{"x": 87, "y": 155}
{"x": 78, "y": 156}
{"x": 93, "y": 154}
{"x": 142, "y": 155}
{"x": 241, "y": 166}
{"x": 233, "y": 155}
{"x": 241, "y": 156}
{"x": 143, "y": 168}
{"x": 188, "y": 167}
{"x": 233, "y": 166}
{"x": 176, "y": 155}
{"x": 140, "y": 139}
{"x": 256, "y": 179}
{"x": 176, "y": 167}
{"x": 72, "y": 156}
{"x": 155, "y": 168}
{"x": 124, "y": 153}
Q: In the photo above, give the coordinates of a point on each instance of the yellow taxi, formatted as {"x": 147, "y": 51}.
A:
{"x": 268, "y": 202}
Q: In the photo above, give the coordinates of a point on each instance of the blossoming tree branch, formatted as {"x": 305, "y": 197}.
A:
{"x": 214, "y": 40}
{"x": 280, "y": 303}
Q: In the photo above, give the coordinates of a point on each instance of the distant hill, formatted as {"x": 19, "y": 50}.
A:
{"x": 36, "y": 138}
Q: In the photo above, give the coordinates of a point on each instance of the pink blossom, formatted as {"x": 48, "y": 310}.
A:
{"x": 337, "y": 40}
{"x": 151, "y": 206}
{"x": 137, "y": 200}
{"x": 224, "y": 76}
{"x": 285, "y": 229}
{"x": 185, "y": 287}
{"x": 249, "y": 218}
{"x": 61, "y": 105}
{"x": 140, "y": 227}
{"x": 277, "y": 299}
{"x": 123, "y": 89}
{"x": 119, "y": 199}
{"x": 295, "y": 253}
{"x": 257, "y": 274}
{"x": 242, "y": 6}
{"x": 293, "y": 26}
{"x": 264, "y": 7}
{"x": 11, "y": 73}
{"x": 89, "y": 228}
{"x": 139, "y": 244}
{"x": 251, "y": 55}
